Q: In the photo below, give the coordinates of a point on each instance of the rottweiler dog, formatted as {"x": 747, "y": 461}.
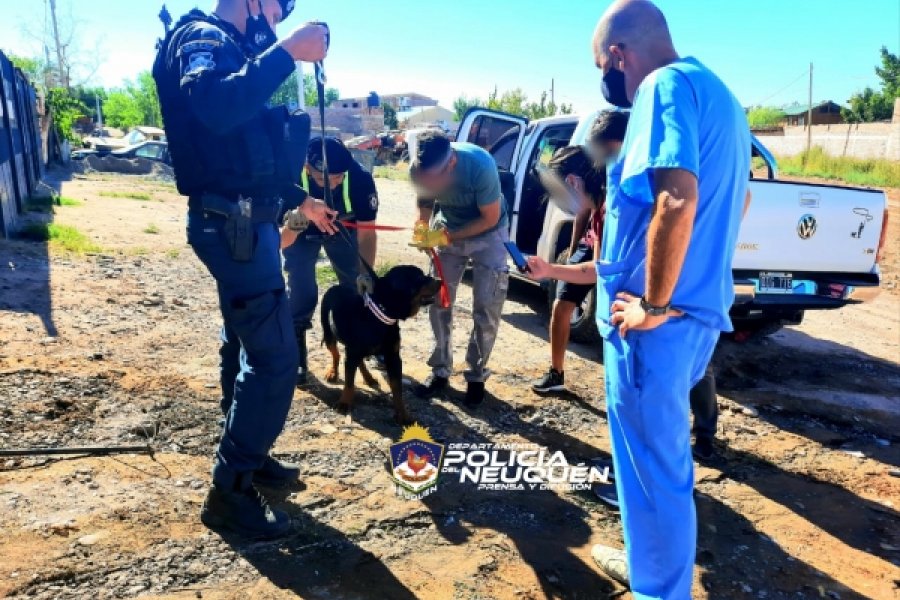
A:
{"x": 368, "y": 325}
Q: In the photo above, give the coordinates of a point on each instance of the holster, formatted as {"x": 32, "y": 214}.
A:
{"x": 240, "y": 218}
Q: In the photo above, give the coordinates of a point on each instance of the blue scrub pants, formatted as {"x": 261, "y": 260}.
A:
{"x": 300, "y": 259}
{"x": 649, "y": 375}
{"x": 259, "y": 349}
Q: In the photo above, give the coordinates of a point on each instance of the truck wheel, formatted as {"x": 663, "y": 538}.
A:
{"x": 745, "y": 329}
{"x": 584, "y": 326}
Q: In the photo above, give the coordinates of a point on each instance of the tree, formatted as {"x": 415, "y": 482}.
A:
{"x": 122, "y": 110}
{"x": 513, "y": 102}
{"x": 462, "y": 105}
{"x": 287, "y": 92}
{"x": 765, "y": 116}
{"x": 872, "y": 105}
{"x": 145, "y": 95}
{"x": 390, "y": 117}
{"x": 65, "y": 109}
{"x": 34, "y": 68}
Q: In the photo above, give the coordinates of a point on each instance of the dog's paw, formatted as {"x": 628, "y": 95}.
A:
{"x": 331, "y": 376}
{"x": 344, "y": 408}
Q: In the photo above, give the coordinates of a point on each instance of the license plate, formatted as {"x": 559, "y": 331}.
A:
{"x": 776, "y": 283}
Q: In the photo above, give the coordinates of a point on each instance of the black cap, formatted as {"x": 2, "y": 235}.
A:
{"x": 339, "y": 158}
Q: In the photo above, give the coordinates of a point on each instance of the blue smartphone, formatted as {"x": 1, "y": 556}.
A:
{"x": 517, "y": 256}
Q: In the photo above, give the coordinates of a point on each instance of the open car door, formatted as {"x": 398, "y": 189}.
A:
{"x": 498, "y": 133}
{"x": 502, "y": 135}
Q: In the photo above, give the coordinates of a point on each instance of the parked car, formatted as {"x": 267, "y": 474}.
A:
{"x": 802, "y": 246}
{"x": 151, "y": 150}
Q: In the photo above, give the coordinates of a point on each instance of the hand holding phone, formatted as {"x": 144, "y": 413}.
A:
{"x": 517, "y": 257}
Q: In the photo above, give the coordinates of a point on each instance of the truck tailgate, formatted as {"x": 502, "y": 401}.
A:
{"x": 800, "y": 227}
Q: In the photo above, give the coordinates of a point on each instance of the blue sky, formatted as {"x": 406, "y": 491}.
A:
{"x": 761, "y": 49}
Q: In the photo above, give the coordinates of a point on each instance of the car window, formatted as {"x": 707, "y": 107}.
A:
{"x": 148, "y": 151}
{"x": 496, "y": 135}
{"x": 552, "y": 139}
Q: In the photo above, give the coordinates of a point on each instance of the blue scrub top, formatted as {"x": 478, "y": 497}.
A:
{"x": 683, "y": 117}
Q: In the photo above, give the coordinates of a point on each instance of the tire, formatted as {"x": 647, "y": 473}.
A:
{"x": 746, "y": 329}
{"x": 584, "y": 325}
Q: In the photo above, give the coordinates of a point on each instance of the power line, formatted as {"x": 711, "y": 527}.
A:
{"x": 799, "y": 77}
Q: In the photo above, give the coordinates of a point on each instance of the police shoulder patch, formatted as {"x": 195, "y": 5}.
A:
{"x": 199, "y": 61}
{"x": 373, "y": 201}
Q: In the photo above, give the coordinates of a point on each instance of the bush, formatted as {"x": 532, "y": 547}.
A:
{"x": 855, "y": 171}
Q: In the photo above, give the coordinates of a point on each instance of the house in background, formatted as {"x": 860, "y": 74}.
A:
{"x": 399, "y": 102}
{"x": 427, "y": 115}
{"x": 823, "y": 113}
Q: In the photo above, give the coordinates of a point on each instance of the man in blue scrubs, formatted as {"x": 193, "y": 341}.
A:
{"x": 664, "y": 281}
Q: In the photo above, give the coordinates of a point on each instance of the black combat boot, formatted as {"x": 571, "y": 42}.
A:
{"x": 242, "y": 510}
{"x": 276, "y": 474}
{"x": 303, "y": 367}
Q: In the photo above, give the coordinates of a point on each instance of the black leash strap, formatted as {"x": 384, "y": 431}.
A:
{"x": 321, "y": 80}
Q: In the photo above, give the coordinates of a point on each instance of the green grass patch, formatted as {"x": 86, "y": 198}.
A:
{"x": 173, "y": 253}
{"x": 327, "y": 277}
{"x": 874, "y": 172}
{"x": 63, "y": 237}
{"x": 398, "y": 172}
{"x": 151, "y": 228}
{"x": 128, "y": 195}
{"x": 64, "y": 201}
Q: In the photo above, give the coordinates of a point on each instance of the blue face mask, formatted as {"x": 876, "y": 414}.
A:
{"x": 613, "y": 88}
{"x": 259, "y": 33}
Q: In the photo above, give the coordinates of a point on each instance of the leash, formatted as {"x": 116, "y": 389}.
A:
{"x": 344, "y": 225}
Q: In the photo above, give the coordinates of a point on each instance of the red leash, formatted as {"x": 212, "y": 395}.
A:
{"x": 435, "y": 259}
{"x": 439, "y": 269}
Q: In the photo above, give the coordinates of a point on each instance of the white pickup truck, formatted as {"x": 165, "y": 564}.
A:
{"x": 802, "y": 246}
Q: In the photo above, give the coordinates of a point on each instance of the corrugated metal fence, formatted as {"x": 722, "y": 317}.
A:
{"x": 21, "y": 159}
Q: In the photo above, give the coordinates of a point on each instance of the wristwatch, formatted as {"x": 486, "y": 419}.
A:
{"x": 655, "y": 311}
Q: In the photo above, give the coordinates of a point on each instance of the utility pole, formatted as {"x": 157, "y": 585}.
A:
{"x": 553, "y": 91}
{"x": 809, "y": 113}
{"x": 61, "y": 63}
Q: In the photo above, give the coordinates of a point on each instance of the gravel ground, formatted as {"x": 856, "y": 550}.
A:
{"x": 120, "y": 347}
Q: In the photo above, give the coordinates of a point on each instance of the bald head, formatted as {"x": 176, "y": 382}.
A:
{"x": 633, "y": 37}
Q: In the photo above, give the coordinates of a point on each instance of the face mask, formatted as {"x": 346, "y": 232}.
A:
{"x": 259, "y": 34}
{"x": 613, "y": 88}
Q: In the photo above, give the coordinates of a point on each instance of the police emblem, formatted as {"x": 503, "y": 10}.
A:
{"x": 416, "y": 462}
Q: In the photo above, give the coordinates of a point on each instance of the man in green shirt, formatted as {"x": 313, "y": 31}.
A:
{"x": 458, "y": 190}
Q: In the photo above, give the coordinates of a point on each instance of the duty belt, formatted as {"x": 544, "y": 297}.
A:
{"x": 266, "y": 210}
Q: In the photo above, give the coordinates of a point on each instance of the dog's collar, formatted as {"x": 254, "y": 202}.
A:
{"x": 377, "y": 310}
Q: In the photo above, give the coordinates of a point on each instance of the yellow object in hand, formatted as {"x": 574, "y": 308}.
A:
{"x": 425, "y": 238}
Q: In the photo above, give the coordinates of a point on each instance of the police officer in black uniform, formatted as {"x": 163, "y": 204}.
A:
{"x": 356, "y": 201}
{"x": 236, "y": 159}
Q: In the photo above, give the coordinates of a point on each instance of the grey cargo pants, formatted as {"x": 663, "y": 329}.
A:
{"x": 490, "y": 282}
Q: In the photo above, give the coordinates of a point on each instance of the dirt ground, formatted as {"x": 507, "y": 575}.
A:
{"x": 120, "y": 347}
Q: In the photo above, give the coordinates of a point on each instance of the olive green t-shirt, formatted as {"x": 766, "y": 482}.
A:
{"x": 476, "y": 184}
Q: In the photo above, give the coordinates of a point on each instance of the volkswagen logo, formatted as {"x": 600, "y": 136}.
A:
{"x": 806, "y": 228}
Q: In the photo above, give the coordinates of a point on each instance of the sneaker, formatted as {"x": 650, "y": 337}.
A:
{"x": 606, "y": 493}
{"x": 553, "y": 381}
{"x": 245, "y": 512}
{"x": 612, "y": 562}
{"x": 275, "y": 474}
{"x": 432, "y": 386}
{"x": 474, "y": 394}
{"x": 703, "y": 448}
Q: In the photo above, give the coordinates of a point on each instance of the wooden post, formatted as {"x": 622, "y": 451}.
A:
{"x": 63, "y": 74}
{"x": 809, "y": 112}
